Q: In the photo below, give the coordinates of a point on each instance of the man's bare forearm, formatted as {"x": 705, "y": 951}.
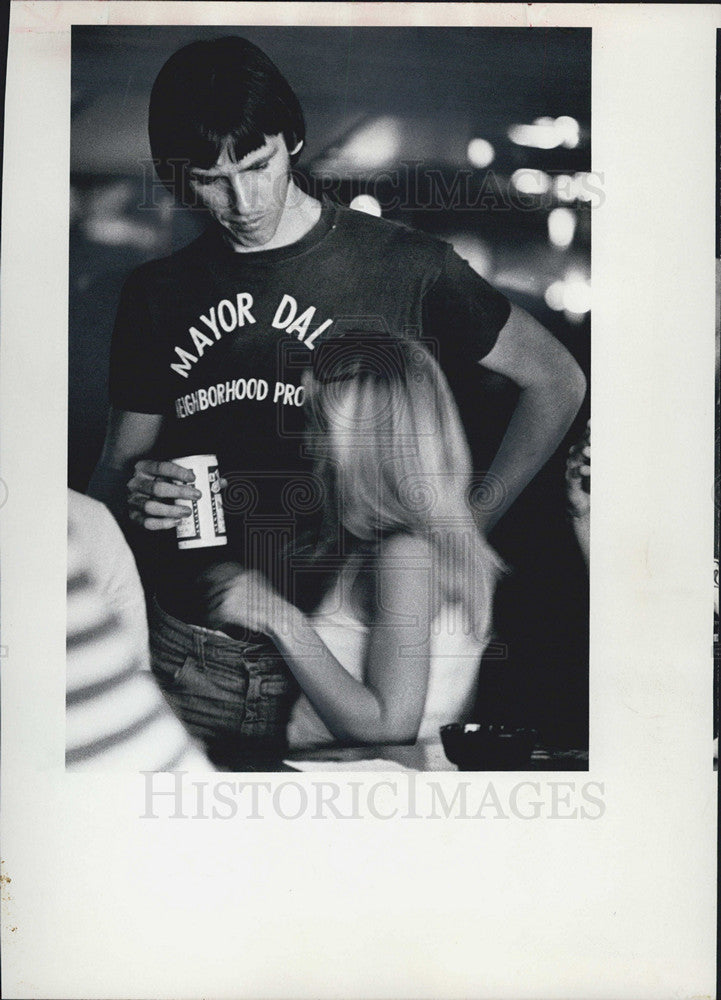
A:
{"x": 109, "y": 484}
{"x": 129, "y": 437}
{"x": 542, "y": 416}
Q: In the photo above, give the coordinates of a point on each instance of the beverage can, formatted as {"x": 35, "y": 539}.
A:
{"x": 205, "y": 525}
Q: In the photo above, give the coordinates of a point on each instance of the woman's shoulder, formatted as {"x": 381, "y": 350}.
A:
{"x": 391, "y": 569}
{"x": 388, "y": 551}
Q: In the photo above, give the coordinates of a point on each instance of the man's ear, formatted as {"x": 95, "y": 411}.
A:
{"x": 296, "y": 149}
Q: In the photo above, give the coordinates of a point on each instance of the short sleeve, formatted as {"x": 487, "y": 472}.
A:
{"x": 138, "y": 381}
{"x": 463, "y": 311}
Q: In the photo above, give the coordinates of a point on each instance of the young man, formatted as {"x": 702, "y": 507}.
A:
{"x": 210, "y": 345}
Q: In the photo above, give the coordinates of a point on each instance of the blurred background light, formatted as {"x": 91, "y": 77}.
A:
{"x": 366, "y": 203}
{"x": 572, "y": 296}
{"x": 547, "y": 133}
{"x": 539, "y": 136}
{"x": 372, "y": 145}
{"x": 474, "y": 251}
{"x": 561, "y": 227}
{"x": 480, "y": 153}
{"x": 568, "y": 131}
{"x": 554, "y": 296}
{"x": 528, "y": 181}
{"x": 576, "y": 295}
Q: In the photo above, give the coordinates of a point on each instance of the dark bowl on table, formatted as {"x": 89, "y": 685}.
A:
{"x": 473, "y": 746}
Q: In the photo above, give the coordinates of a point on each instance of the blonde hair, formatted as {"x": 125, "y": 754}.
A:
{"x": 388, "y": 443}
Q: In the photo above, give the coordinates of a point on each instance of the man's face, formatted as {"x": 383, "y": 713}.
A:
{"x": 247, "y": 197}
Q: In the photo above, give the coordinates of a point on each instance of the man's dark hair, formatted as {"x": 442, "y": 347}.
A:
{"x": 210, "y": 93}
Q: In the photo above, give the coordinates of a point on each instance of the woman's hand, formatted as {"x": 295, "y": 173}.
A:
{"x": 240, "y": 597}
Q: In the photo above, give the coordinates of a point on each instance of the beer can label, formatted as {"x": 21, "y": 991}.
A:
{"x": 204, "y": 526}
{"x": 189, "y": 527}
{"x": 216, "y": 500}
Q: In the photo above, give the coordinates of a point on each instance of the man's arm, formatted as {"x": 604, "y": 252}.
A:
{"x": 552, "y": 388}
{"x": 129, "y": 436}
{"x": 136, "y": 488}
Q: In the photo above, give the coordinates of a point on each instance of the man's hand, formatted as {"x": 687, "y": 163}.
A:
{"x": 240, "y": 597}
{"x": 154, "y": 490}
{"x": 578, "y": 490}
{"x": 578, "y": 477}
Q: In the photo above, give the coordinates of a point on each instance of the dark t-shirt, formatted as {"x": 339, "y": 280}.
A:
{"x": 217, "y": 342}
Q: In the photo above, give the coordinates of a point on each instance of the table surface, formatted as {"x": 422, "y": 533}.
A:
{"x": 421, "y": 756}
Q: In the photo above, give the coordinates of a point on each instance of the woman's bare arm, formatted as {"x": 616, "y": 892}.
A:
{"x": 388, "y": 705}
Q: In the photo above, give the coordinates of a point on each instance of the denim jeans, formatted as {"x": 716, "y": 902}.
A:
{"x": 234, "y": 696}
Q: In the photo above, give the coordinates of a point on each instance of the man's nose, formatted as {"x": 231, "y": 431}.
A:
{"x": 244, "y": 189}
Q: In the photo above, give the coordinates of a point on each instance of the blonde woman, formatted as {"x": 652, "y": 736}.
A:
{"x": 392, "y": 650}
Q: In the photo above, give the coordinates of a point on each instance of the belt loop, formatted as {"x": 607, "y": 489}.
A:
{"x": 199, "y": 643}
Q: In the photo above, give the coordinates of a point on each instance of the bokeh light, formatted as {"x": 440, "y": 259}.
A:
{"x": 480, "y": 153}
{"x": 374, "y": 144}
{"x": 366, "y": 203}
{"x": 561, "y": 227}
{"x": 547, "y": 133}
{"x": 528, "y": 181}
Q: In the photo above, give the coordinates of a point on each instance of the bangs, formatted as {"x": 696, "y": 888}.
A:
{"x": 207, "y": 142}
{"x": 230, "y": 114}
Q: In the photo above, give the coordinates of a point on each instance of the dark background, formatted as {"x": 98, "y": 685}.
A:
{"x": 389, "y": 112}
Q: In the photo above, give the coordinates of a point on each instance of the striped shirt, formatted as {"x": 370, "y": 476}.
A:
{"x": 116, "y": 716}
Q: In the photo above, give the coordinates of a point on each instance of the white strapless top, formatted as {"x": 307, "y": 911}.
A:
{"x": 452, "y": 679}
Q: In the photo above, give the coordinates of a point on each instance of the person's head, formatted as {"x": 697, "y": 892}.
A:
{"x": 224, "y": 128}
{"x": 380, "y": 410}
{"x": 394, "y": 457}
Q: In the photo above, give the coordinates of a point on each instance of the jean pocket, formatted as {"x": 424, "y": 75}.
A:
{"x": 276, "y": 695}
{"x": 173, "y": 671}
